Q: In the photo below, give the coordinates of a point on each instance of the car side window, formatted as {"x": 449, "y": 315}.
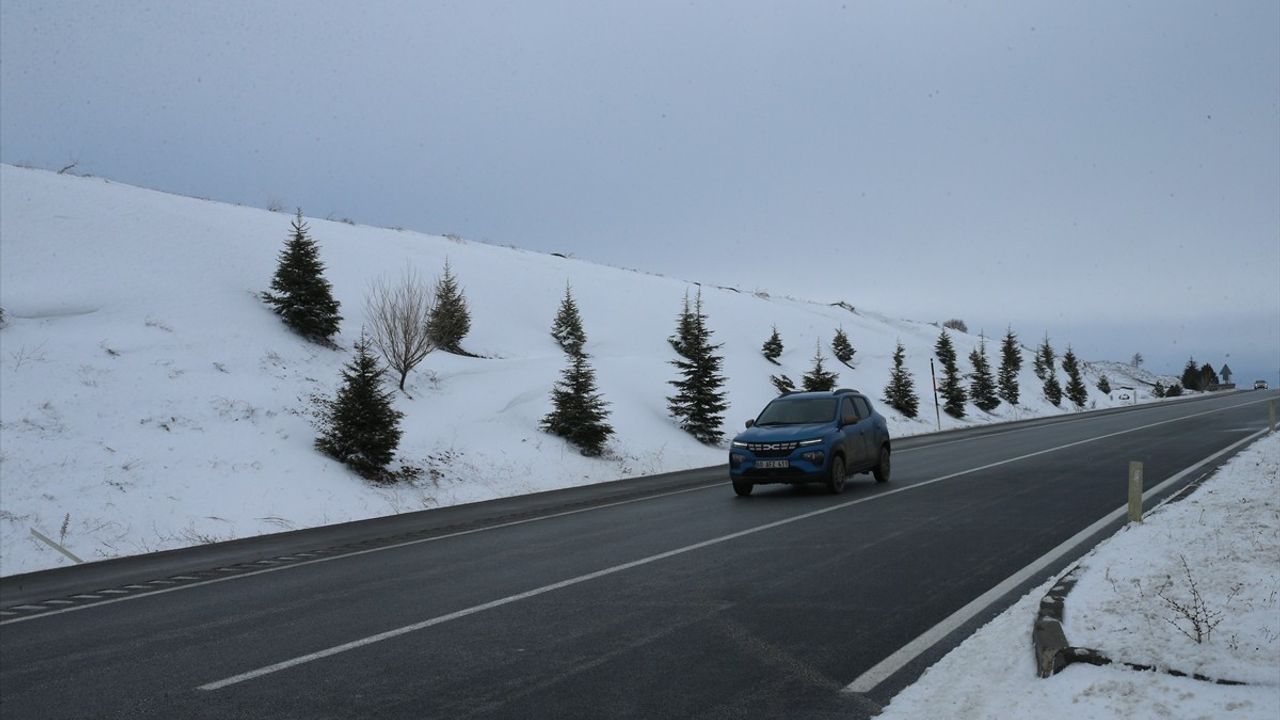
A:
{"x": 847, "y": 412}
{"x": 864, "y": 408}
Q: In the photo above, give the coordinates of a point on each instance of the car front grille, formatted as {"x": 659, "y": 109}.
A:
{"x": 772, "y": 450}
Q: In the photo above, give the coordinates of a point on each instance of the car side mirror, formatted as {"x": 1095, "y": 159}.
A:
{"x": 751, "y": 423}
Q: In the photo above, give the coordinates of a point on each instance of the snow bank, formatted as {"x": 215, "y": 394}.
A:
{"x": 1228, "y": 531}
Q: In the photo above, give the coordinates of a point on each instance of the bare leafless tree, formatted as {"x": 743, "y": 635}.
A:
{"x": 397, "y": 313}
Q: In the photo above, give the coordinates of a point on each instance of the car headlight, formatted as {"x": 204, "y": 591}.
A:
{"x": 739, "y": 444}
{"x": 814, "y": 441}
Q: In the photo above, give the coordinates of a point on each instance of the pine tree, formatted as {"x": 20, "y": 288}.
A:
{"x": 1159, "y": 390}
{"x": 952, "y": 390}
{"x": 1046, "y": 370}
{"x": 1104, "y": 385}
{"x": 567, "y": 327}
{"x": 818, "y": 378}
{"x": 1052, "y": 389}
{"x": 1208, "y": 377}
{"x": 360, "y": 427}
{"x": 782, "y": 384}
{"x": 450, "y": 319}
{"x": 1174, "y": 390}
{"x": 686, "y": 327}
{"x": 772, "y": 347}
{"x": 1077, "y": 393}
{"x": 1010, "y": 366}
{"x": 1137, "y": 360}
{"x": 699, "y": 402}
{"x": 900, "y": 393}
{"x": 982, "y": 386}
{"x": 1044, "y": 359}
{"x": 1191, "y": 375}
{"x": 302, "y": 296}
{"x": 579, "y": 413}
{"x": 841, "y": 348}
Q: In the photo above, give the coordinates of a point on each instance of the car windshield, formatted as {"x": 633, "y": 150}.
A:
{"x": 798, "y": 411}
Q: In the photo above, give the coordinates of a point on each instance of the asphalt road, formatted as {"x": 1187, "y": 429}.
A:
{"x": 662, "y": 597}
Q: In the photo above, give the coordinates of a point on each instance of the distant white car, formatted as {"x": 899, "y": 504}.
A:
{"x": 1259, "y": 384}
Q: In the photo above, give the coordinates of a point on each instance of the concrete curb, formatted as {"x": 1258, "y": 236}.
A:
{"x": 1053, "y": 652}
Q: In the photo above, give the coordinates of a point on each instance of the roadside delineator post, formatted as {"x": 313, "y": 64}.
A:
{"x": 1271, "y": 411}
{"x": 1135, "y": 492}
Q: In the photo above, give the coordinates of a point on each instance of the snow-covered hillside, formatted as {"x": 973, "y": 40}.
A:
{"x": 149, "y": 399}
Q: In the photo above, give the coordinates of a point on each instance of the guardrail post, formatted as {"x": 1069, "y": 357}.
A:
{"x": 1135, "y": 492}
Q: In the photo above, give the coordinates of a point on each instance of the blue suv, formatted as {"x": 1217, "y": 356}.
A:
{"x": 805, "y": 437}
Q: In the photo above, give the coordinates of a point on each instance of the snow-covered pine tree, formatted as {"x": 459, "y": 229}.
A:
{"x": 772, "y": 348}
{"x": 1158, "y": 389}
{"x": 360, "y": 427}
{"x": 900, "y": 393}
{"x": 578, "y": 412}
{"x": 782, "y": 384}
{"x": 567, "y": 327}
{"x": 982, "y": 386}
{"x": 1174, "y": 390}
{"x": 1010, "y": 366}
{"x": 302, "y": 296}
{"x": 450, "y": 319}
{"x": 818, "y": 378}
{"x": 841, "y": 348}
{"x": 952, "y": 390}
{"x": 1077, "y": 393}
{"x": 699, "y": 402}
{"x": 1104, "y": 385}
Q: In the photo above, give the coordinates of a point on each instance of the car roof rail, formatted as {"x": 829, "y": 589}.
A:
{"x": 843, "y": 391}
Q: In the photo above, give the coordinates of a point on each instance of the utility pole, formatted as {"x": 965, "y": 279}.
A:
{"x": 936, "y": 410}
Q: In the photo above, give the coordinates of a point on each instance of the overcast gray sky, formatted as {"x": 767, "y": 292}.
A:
{"x": 1107, "y": 173}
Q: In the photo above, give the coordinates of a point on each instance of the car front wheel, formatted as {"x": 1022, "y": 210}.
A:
{"x": 743, "y": 489}
{"x": 881, "y": 470}
{"x": 835, "y": 483}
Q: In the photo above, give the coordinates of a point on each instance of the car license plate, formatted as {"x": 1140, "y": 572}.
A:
{"x": 773, "y": 464}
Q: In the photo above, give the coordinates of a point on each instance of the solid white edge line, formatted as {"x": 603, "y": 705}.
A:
{"x": 276, "y": 667}
{"x": 883, "y": 670}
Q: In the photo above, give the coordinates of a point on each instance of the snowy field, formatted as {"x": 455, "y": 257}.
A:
{"x": 149, "y": 400}
{"x": 1228, "y": 533}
